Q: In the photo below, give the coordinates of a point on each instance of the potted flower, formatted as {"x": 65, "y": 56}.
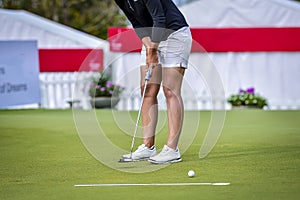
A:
{"x": 103, "y": 92}
{"x": 247, "y": 98}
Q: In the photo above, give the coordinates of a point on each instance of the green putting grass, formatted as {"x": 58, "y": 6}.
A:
{"x": 42, "y": 157}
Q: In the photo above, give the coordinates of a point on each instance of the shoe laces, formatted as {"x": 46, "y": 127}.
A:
{"x": 141, "y": 147}
{"x": 165, "y": 149}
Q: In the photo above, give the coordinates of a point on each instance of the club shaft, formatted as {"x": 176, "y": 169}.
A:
{"x": 138, "y": 118}
{"x": 147, "y": 78}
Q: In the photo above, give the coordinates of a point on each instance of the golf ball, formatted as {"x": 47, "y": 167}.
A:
{"x": 191, "y": 173}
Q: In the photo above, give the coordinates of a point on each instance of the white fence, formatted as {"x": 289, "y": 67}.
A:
{"x": 57, "y": 89}
{"x": 57, "y": 93}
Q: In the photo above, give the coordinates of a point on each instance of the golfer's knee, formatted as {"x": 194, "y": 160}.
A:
{"x": 169, "y": 93}
{"x": 151, "y": 91}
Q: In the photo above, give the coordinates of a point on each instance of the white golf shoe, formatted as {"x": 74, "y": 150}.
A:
{"x": 142, "y": 153}
{"x": 167, "y": 155}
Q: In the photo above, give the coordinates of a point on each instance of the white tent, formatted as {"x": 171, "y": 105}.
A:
{"x": 242, "y": 13}
{"x": 56, "y": 88}
{"x": 23, "y": 25}
{"x": 273, "y": 74}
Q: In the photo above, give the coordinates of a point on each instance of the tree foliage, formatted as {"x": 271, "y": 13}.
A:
{"x": 91, "y": 16}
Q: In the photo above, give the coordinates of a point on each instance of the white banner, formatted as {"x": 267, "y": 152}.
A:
{"x": 19, "y": 73}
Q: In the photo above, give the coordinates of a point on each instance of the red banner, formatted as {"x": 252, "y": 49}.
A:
{"x": 268, "y": 39}
{"x": 123, "y": 40}
{"x": 70, "y": 60}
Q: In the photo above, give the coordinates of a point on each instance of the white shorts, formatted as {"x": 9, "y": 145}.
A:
{"x": 175, "y": 51}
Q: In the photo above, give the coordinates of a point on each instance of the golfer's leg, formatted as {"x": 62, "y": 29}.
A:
{"x": 149, "y": 108}
{"x": 172, "y": 80}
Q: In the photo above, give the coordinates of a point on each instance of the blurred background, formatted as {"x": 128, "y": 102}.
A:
{"x": 49, "y": 48}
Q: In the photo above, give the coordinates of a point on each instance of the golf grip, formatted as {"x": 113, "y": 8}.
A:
{"x": 147, "y": 78}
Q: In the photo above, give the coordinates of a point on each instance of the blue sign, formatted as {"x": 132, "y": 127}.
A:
{"x": 19, "y": 73}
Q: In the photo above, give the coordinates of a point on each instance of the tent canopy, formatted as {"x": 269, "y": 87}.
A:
{"x": 23, "y": 25}
{"x": 56, "y": 42}
{"x": 241, "y": 13}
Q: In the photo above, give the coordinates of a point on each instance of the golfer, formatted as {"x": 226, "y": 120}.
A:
{"x": 167, "y": 41}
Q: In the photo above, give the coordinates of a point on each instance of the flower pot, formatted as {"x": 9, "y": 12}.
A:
{"x": 246, "y": 107}
{"x": 104, "y": 102}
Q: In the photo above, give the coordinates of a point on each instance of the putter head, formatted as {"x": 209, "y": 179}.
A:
{"x": 126, "y": 159}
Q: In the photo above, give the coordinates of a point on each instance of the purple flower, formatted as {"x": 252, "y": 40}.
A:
{"x": 111, "y": 92}
{"x": 102, "y": 89}
{"x": 250, "y": 90}
{"x": 108, "y": 84}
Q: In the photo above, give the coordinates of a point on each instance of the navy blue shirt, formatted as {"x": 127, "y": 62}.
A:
{"x": 154, "y": 18}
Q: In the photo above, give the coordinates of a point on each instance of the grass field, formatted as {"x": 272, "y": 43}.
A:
{"x": 42, "y": 157}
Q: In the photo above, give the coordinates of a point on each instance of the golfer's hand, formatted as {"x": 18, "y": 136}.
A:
{"x": 151, "y": 57}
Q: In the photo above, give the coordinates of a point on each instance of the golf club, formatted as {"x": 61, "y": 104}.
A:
{"x": 147, "y": 78}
